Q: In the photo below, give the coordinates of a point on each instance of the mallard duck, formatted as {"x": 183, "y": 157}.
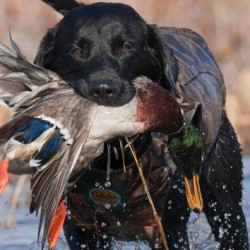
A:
{"x": 55, "y": 132}
{"x": 202, "y": 97}
{"x": 186, "y": 150}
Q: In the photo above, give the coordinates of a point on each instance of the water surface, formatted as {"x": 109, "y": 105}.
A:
{"x": 23, "y": 234}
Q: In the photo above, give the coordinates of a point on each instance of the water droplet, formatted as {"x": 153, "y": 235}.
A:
{"x": 107, "y": 206}
{"x": 107, "y": 184}
{"x": 221, "y": 232}
{"x": 103, "y": 224}
{"x": 157, "y": 246}
{"x": 216, "y": 218}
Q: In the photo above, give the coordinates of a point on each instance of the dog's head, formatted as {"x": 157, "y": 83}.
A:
{"x": 100, "y": 48}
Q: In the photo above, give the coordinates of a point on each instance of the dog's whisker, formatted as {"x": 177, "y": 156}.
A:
{"x": 116, "y": 153}
{"x": 123, "y": 156}
{"x": 145, "y": 186}
{"x": 107, "y": 183}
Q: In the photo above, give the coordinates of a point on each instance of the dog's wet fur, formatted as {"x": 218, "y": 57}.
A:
{"x": 99, "y": 55}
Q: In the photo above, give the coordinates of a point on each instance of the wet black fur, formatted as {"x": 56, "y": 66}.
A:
{"x": 114, "y": 46}
{"x": 95, "y": 37}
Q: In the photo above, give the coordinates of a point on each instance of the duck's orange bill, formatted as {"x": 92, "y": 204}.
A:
{"x": 4, "y": 164}
{"x": 56, "y": 224}
{"x": 193, "y": 193}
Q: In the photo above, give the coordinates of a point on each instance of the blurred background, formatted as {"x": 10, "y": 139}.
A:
{"x": 225, "y": 25}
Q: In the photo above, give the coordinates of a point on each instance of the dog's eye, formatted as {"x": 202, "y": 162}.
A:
{"x": 126, "y": 46}
{"x": 76, "y": 52}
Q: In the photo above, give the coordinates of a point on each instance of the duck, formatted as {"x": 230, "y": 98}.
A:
{"x": 54, "y": 132}
{"x": 186, "y": 150}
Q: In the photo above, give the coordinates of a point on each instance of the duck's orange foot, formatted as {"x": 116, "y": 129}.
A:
{"x": 193, "y": 193}
{"x": 4, "y": 164}
{"x": 56, "y": 224}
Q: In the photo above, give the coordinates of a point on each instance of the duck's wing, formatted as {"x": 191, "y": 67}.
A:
{"x": 73, "y": 121}
{"x": 20, "y": 77}
{"x": 18, "y": 80}
{"x": 47, "y": 132}
{"x": 200, "y": 81}
{"x": 49, "y": 135}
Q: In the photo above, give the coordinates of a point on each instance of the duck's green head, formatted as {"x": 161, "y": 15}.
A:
{"x": 186, "y": 149}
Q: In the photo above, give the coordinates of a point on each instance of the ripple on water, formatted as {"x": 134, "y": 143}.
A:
{"x": 23, "y": 234}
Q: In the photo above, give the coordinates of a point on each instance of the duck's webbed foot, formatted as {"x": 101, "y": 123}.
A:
{"x": 4, "y": 164}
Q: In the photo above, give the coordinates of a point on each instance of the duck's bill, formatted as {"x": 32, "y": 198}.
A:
{"x": 193, "y": 193}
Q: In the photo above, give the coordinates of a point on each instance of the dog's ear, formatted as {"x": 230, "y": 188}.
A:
{"x": 45, "y": 52}
{"x": 164, "y": 59}
{"x": 62, "y": 6}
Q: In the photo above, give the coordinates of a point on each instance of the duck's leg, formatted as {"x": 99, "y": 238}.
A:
{"x": 4, "y": 164}
{"x": 56, "y": 224}
{"x": 221, "y": 186}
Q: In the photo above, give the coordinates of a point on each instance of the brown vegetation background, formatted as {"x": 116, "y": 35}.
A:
{"x": 225, "y": 25}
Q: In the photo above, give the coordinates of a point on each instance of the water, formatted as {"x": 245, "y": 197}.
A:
{"x": 23, "y": 234}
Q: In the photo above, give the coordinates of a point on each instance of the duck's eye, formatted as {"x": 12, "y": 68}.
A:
{"x": 126, "y": 46}
{"x": 76, "y": 52}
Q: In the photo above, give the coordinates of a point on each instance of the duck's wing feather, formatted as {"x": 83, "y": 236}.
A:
{"x": 49, "y": 116}
{"x": 200, "y": 82}
{"x": 56, "y": 171}
{"x": 54, "y": 161}
{"x": 20, "y": 77}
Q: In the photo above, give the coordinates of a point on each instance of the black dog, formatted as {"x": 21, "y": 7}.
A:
{"x": 100, "y": 58}
{"x": 99, "y": 49}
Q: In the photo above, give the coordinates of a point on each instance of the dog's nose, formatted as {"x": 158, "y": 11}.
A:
{"x": 103, "y": 90}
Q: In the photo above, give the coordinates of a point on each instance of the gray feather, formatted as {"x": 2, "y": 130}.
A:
{"x": 21, "y": 75}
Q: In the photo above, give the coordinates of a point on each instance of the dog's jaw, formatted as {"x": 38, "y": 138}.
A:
{"x": 151, "y": 109}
